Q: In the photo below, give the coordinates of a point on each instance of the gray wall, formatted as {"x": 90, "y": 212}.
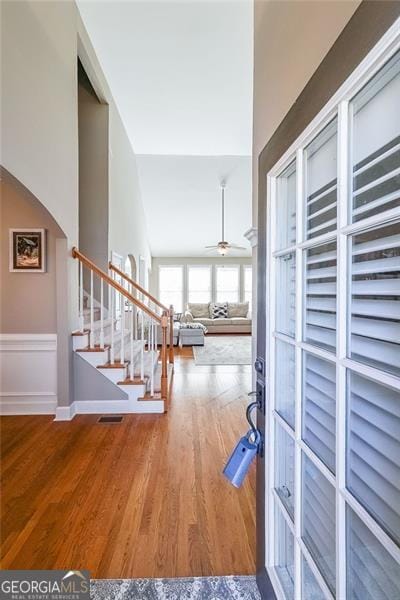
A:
{"x": 29, "y": 304}
{"x": 90, "y": 384}
{"x": 93, "y": 173}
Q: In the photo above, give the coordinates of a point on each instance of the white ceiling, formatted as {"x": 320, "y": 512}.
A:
{"x": 181, "y": 76}
{"x": 183, "y": 202}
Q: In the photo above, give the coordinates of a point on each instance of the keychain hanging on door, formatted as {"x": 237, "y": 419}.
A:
{"x": 243, "y": 455}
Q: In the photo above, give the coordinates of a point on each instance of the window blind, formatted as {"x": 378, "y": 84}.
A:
{"x": 319, "y": 408}
{"x": 286, "y": 208}
{"x": 372, "y": 573}
{"x": 376, "y": 143}
{"x": 286, "y": 294}
{"x": 320, "y": 327}
{"x": 375, "y": 321}
{"x": 284, "y": 473}
{"x": 285, "y": 381}
{"x": 321, "y": 182}
{"x": 318, "y": 519}
{"x": 373, "y": 450}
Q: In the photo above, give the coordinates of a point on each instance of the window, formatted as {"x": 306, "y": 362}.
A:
{"x": 171, "y": 286}
{"x": 199, "y": 283}
{"x": 248, "y": 284}
{"x": 286, "y": 208}
{"x": 333, "y": 349}
{"x": 227, "y": 283}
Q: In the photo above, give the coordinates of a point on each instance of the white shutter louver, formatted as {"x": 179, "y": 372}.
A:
{"x": 321, "y": 182}
{"x": 319, "y": 408}
{"x": 310, "y": 587}
{"x": 286, "y": 208}
{"x": 286, "y": 294}
{"x": 284, "y": 553}
{"x": 318, "y": 520}
{"x": 372, "y": 573}
{"x": 320, "y": 327}
{"x": 284, "y": 471}
{"x": 373, "y": 450}
{"x": 376, "y": 143}
{"x": 285, "y": 381}
{"x": 375, "y": 321}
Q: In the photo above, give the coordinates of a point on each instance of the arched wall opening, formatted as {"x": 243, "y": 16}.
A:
{"x": 34, "y": 315}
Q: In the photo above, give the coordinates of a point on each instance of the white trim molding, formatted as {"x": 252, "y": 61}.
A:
{"x": 252, "y": 235}
{"x": 28, "y": 374}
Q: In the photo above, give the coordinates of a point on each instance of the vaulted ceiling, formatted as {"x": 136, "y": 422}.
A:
{"x": 181, "y": 75}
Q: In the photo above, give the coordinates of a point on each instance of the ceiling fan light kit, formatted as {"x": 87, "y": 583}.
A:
{"x": 223, "y": 247}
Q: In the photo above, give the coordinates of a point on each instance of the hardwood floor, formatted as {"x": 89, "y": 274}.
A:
{"x": 142, "y": 498}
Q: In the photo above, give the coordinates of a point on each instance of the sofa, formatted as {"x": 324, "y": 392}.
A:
{"x": 237, "y": 319}
{"x": 176, "y": 334}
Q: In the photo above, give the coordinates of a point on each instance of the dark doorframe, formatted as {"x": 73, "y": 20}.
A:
{"x": 368, "y": 24}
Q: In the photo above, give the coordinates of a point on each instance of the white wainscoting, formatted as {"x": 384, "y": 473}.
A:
{"x": 28, "y": 372}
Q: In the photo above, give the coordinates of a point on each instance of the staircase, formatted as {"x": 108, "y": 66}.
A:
{"x": 126, "y": 335}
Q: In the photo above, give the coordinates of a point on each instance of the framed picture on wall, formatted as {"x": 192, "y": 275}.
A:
{"x": 27, "y": 250}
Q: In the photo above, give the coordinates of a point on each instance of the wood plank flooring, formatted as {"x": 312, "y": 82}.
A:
{"x": 142, "y": 498}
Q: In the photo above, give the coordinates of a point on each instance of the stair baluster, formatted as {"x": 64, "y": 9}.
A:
{"x": 91, "y": 335}
{"x": 112, "y": 310}
{"x": 151, "y": 328}
{"x": 142, "y": 346}
{"x": 132, "y": 363}
{"x": 122, "y": 357}
{"x": 101, "y": 314}
{"x": 81, "y": 317}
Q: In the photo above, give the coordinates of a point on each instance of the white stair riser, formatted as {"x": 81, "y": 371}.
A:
{"x": 114, "y": 375}
{"x": 96, "y": 358}
{"x": 134, "y": 391}
{"x": 80, "y": 341}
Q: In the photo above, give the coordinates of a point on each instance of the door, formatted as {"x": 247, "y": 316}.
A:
{"x": 332, "y": 330}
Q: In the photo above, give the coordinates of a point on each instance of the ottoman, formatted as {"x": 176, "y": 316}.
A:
{"x": 191, "y": 337}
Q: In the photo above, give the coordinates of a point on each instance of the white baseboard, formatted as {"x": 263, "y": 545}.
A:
{"x": 92, "y": 407}
{"x": 106, "y": 407}
{"x": 27, "y": 404}
{"x": 65, "y": 413}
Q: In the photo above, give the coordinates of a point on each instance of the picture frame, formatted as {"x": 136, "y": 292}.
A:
{"x": 27, "y": 250}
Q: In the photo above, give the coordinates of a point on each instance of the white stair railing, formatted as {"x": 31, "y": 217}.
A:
{"x": 152, "y": 303}
{"x": 129, "y": 321}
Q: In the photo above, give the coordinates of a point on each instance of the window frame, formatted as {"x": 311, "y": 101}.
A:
{"x": 338, "y": 106}
{"x": 244, "y": 269}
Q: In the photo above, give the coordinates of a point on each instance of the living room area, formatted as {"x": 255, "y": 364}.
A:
{"x": 212, "y": 302}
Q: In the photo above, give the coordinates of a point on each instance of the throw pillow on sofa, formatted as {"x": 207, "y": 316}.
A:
{"x": 198, "y": 310}
{"x": 238, "y": 309}
{"x": 219, "y": 310}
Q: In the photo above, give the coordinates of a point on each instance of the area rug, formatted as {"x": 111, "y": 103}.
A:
{"x": 184, "y": 588}
{"x": 224, "y": 350}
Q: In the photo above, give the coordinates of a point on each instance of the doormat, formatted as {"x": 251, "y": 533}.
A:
{"x": 182, "y": 588}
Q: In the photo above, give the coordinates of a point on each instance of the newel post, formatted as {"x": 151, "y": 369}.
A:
{"x": 171, "y": 334}
{"x": 164, "y": 370}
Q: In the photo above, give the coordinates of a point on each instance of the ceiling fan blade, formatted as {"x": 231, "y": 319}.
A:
{"x": 237, "y": 247}
{"x": 211, "y": 247}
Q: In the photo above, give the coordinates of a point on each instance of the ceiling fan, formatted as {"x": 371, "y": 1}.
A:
{"x": 224, "y": 247}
